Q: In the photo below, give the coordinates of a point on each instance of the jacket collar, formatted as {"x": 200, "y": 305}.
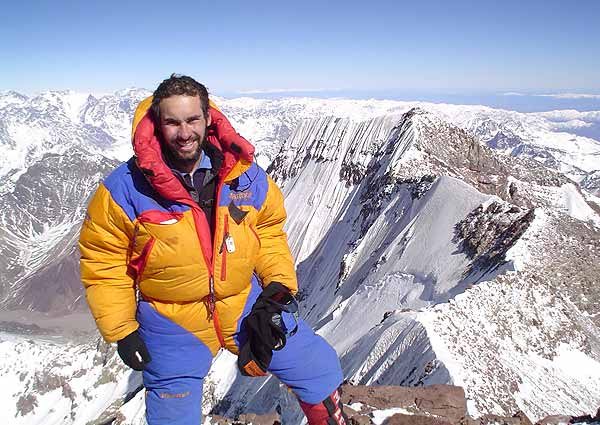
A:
{"x": 231, "y": 158}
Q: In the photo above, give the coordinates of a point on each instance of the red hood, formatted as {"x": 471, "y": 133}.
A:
{"x": 147, "y": 150}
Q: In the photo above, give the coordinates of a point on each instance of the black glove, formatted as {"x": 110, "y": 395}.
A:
{"x": 133, "y": 351}
{"x": 264, "y": 329}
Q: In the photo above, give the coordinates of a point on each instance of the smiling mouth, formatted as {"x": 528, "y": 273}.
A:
{"x": 187, "y": 145}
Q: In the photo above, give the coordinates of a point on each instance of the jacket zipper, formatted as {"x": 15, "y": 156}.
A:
{"x": 211, "y": 287}
{"x": 135, "y": 267}
{"x": 145, "y": 255}
{"x": 223, "y": 249}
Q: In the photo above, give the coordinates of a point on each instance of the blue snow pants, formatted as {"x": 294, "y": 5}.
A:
{"x": 307, "y": 364}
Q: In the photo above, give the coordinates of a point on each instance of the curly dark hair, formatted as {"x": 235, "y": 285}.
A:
{"x": 178, "y": 85}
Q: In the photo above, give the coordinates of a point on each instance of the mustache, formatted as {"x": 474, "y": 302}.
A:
{"x": 191, "y": 139}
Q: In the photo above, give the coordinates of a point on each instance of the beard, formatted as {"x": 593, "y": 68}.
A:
{"x": 183, "y": 161}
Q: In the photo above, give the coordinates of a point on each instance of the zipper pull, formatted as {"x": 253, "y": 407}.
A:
{"x": 136, "y": 230}
{"x": 228, "y": 243}
{"x": 211, "y": 298}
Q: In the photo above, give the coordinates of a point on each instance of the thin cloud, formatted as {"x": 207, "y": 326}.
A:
{"x": 571, "y": 115}
{"x": 570, "y": 95}
{"x": 556, "y": 95}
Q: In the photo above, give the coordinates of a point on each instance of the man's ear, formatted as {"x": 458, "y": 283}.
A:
{"x": 208, "y": 120}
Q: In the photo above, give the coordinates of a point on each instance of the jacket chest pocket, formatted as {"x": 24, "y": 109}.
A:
{"x": 242, "y": 228}
{"x": 239, "y": 245}
{"x": 160, "y": 241}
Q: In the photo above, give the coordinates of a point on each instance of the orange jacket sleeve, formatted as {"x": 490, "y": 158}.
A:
{"x": 275, "y": 262}
{"x": 103, "y": 243}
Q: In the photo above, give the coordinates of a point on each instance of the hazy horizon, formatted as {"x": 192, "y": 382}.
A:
{"x": 521, "y": 101}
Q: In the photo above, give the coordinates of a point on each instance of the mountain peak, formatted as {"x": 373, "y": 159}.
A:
{"x": 12, "y": 97}
{"x": 132, "y": 92}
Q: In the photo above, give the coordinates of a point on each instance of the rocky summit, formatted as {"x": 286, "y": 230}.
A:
{"x": 393, "y": 405}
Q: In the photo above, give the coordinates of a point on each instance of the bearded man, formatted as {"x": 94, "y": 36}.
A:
{"x": 183, "y": 253}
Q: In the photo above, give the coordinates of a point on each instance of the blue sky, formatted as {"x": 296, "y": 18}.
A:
{"x": 240, "y": 46}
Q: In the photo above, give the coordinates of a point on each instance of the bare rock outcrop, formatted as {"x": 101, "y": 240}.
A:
{"x": 393, "y": 405}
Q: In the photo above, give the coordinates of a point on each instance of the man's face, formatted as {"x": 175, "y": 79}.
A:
{"x": 183, "y": 129}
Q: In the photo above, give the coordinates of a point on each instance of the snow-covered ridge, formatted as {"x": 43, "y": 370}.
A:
{"x": 393, "y": 254}
{"x": 58, "y": 121}
{"x": 541, "y": 136}
{"x": 526, "y": 328}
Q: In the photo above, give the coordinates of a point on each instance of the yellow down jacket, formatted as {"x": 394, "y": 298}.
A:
{"x": 144, "y": 237}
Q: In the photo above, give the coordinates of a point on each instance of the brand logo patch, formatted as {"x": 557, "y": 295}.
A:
{"x": 238, "y": 196}
{"x": 177, "y": 395}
